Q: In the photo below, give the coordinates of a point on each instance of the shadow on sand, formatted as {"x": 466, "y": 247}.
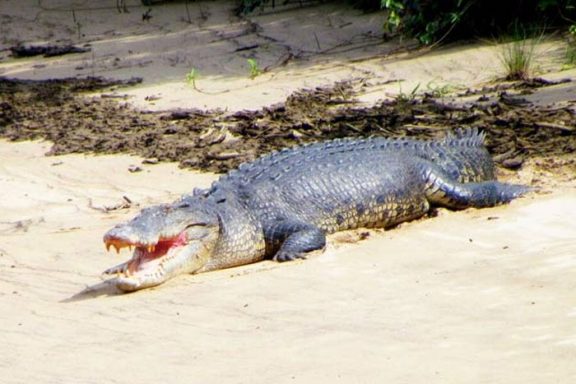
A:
{"x": 105, "y": 288}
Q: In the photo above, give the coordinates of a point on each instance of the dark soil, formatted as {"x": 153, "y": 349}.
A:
{"x": 19, "y": 51}
{"x": 59, "y": 111}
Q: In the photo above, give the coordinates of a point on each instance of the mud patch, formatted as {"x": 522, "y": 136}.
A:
{"x": 213, "y": 140}
{"x": 20, "y": 50}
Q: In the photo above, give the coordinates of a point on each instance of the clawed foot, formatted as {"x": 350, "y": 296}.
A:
{"x": 286, "y": 256}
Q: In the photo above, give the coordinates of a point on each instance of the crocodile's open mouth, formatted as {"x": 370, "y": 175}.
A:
{"x": 168, "y": 240}
{"x": 146, "y": 258}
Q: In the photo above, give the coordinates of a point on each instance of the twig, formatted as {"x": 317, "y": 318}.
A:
{"x": 415, "y": 126}
{"x": 544, "y": 124}
{"x": 317, "y": 42}
{"x": 123, "y": 205}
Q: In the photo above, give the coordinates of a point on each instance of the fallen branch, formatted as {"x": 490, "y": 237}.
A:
{"x": 544, "y": 124}
{"x": 127, "y": 203}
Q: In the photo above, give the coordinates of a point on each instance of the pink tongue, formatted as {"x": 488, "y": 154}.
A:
{"x": 163, "y": 246}
{"x": 180, "y": 240}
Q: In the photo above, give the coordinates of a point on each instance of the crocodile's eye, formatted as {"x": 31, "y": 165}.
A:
{"x": 196, "y": 225}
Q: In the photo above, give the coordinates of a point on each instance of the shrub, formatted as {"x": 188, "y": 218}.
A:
{"x": 430, "y": 21}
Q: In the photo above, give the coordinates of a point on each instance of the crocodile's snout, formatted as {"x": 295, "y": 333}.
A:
{"x": 125, "y": 236}
{"x": 165, "y": 242}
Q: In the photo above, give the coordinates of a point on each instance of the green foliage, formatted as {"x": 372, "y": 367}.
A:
{"x": 395, "y": 9}
{"x": 517, "y": 54}
{"x": 403, "y": 98}
{"x": 570, "y": 57}
{"x": 247, "y": 6}
{"x": 431, "y": 21}
{"x": 191, "y": 77}
{"x": 254, "y": 68}
{"x": 439, "y": 20}
{"x": 438, "y": 91}
{"x": 424, "y": 20}
{"x": 517, "y": 58}
{"x": 544, "y": 5}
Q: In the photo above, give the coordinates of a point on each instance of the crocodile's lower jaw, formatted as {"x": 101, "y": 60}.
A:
{"x": 140, "y": 272}
{"x": 147, "y": 267}
{"x": 136, "y": 282}
{"x": 145, "y": 270}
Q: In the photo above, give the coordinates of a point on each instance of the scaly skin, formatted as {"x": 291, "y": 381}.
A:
{"x": 283, "y": 204}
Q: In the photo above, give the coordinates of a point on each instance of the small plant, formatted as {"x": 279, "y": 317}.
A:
{"x": 191, "y": 78}
{"x": 517, "y": 58}
{"x": 428, "y": 21}
{"x": 517, "y": 55}
{"x": 438, "y": 91}
{"x": 254, "y": 68}
{"x": 570, "y": 56}
{"x": 395, "y": 9}
{"x": 405, "y": 98}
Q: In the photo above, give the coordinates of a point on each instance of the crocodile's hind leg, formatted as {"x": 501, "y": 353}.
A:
{"x": 290, "y": 240}
{"x": 440, "y": 189}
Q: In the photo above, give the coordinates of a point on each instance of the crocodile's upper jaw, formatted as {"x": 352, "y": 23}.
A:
{"x": 146, "y": 264}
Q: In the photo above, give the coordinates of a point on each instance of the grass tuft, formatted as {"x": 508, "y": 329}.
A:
{"x": 191, "y": 77}
{"x": 254, "y": 68}
{"x": 570, "y": 55}
{"x": 518, "y": 53}
{"x": 517, "y": 58}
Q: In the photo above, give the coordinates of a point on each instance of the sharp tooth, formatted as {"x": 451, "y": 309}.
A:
{"x": 108, "y": 246}
{"x": 151, "y": 248}
{"x": 117, "y": 247}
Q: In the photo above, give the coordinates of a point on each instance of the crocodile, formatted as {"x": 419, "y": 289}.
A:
{"x": 282, "y": 205}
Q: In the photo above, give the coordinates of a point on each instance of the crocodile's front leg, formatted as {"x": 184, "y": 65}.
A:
{"x": 289, "y": 239}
